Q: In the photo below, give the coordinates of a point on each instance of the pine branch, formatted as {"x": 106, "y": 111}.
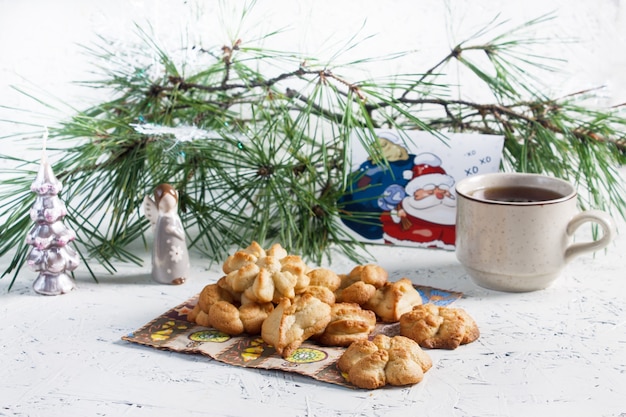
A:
{"x": 274, "y": 160}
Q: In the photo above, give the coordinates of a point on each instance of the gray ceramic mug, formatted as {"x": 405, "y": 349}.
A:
{"x": 514, "y": 231}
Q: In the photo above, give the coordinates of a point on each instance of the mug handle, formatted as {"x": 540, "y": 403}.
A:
{"x": 596, "y": 216}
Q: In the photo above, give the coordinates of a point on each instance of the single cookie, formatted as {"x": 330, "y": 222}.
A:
{"x": 290, "y": 324}
{"x": 384, "y": 360}
{"x": 438, "y": 327}
{"x": 348, "y": 323}
{"x": 394, "y": 299}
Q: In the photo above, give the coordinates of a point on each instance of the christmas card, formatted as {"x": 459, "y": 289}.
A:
{"x": 409, "y": 199}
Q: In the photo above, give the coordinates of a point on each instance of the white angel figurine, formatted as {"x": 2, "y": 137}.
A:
{"x": 170, "y": 259}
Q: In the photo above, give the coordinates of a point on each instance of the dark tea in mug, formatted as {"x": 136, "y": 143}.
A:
{"x": 516, "y": 194}
{"x": 515, "y": 231}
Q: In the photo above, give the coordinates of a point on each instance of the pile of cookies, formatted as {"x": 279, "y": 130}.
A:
{"x": 276, "y": 295}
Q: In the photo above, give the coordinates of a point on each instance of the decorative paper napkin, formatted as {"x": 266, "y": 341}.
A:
{"x": 172, "y": 331}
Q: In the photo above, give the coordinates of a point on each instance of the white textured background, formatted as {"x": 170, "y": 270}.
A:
{"x": 39, "y": 39}
{"x": 558, "y": 352}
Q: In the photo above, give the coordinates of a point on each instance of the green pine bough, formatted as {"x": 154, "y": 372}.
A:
{"x": 268, "y": 135}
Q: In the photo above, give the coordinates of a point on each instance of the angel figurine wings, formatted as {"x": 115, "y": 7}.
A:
{"x": 170, "y": 258}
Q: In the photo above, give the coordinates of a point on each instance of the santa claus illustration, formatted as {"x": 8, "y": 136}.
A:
{"x": 374, "y": 186}
{"x": 426, "y": 214}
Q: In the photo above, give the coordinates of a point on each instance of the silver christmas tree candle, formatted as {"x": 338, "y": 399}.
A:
{"x": 51, "y": 256}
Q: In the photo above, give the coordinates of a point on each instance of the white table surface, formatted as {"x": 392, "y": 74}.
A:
{"x": 556, "y": 352}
